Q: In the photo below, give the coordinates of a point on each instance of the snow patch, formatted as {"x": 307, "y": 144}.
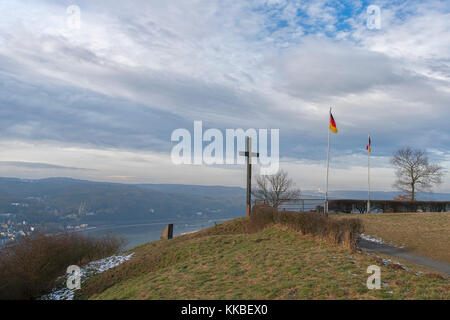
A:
{"x": 371, "y": 239}
{"x": 89, "y": 270}
{"x": 378, "y": 240}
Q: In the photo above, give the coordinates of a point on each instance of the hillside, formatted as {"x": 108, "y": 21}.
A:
{"x": 51, "y": 200}
{"x": 230, "y": 262}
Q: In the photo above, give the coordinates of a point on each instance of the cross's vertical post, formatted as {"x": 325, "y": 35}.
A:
{"x": 249, "y": 154}
{"x": 368, "y": 174}
{"x": 249, "y": 178}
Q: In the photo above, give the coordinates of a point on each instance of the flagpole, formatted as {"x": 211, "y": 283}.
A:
{"x": 328, "y": 168}
{"x": 368, "y": 175}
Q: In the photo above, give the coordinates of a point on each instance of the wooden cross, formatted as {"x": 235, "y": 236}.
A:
{"x": 249, "y": 154}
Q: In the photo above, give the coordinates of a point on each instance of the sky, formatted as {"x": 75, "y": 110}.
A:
{"x": 98, "y": 97}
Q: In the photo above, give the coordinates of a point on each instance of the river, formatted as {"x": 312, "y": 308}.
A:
{"x": 137, "y": 234}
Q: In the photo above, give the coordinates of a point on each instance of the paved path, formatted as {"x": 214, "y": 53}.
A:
{"x": 408, "y": 256}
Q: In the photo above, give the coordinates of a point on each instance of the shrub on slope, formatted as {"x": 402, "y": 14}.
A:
{"x": 29, "y": 268}
{"x": 337, "y": 231}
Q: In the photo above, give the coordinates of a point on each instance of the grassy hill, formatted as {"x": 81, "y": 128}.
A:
{"x": 235, "y": 261}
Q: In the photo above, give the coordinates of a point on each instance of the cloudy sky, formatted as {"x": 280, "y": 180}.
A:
{"x": 99, "y": 100}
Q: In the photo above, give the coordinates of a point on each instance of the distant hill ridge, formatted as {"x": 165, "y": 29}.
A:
{"x": 53, "y": 199}
{"x": 377, "y": 195}
{"x": 223, "y": 191}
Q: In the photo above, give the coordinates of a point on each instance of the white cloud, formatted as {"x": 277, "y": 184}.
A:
{"x": 231, "y": 64}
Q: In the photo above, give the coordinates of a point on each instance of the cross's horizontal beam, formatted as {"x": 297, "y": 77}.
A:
{"x": 246, "y": 154}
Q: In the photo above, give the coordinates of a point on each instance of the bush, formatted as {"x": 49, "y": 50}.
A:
{"x": 338, "y": 231}
{"x": 29, "y": 268}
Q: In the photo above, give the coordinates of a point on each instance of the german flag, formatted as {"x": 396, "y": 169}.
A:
{"x": 368, "y": 147}
{"x": 333, "y": 124}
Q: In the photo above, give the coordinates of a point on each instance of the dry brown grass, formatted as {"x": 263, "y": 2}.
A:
{"x": 258, "y": 259}
{"x": 29, "y": 268}
{"x": 274, "y": 263}
{"x": 342, "y": 232}
{"x": 427, "y": 234}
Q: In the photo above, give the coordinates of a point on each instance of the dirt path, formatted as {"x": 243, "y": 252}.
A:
{"x": 408, "y": 256}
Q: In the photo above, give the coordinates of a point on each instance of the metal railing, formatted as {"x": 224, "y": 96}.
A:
{"x": 300, "y": 205}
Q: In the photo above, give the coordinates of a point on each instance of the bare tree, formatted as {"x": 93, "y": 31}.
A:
{"x": 276, "y": 188}
{"x": 414, "y": 172}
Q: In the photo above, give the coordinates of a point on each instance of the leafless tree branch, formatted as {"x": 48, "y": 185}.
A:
{"x": 275, "y": 189}
{"x": 414, "y": 172}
